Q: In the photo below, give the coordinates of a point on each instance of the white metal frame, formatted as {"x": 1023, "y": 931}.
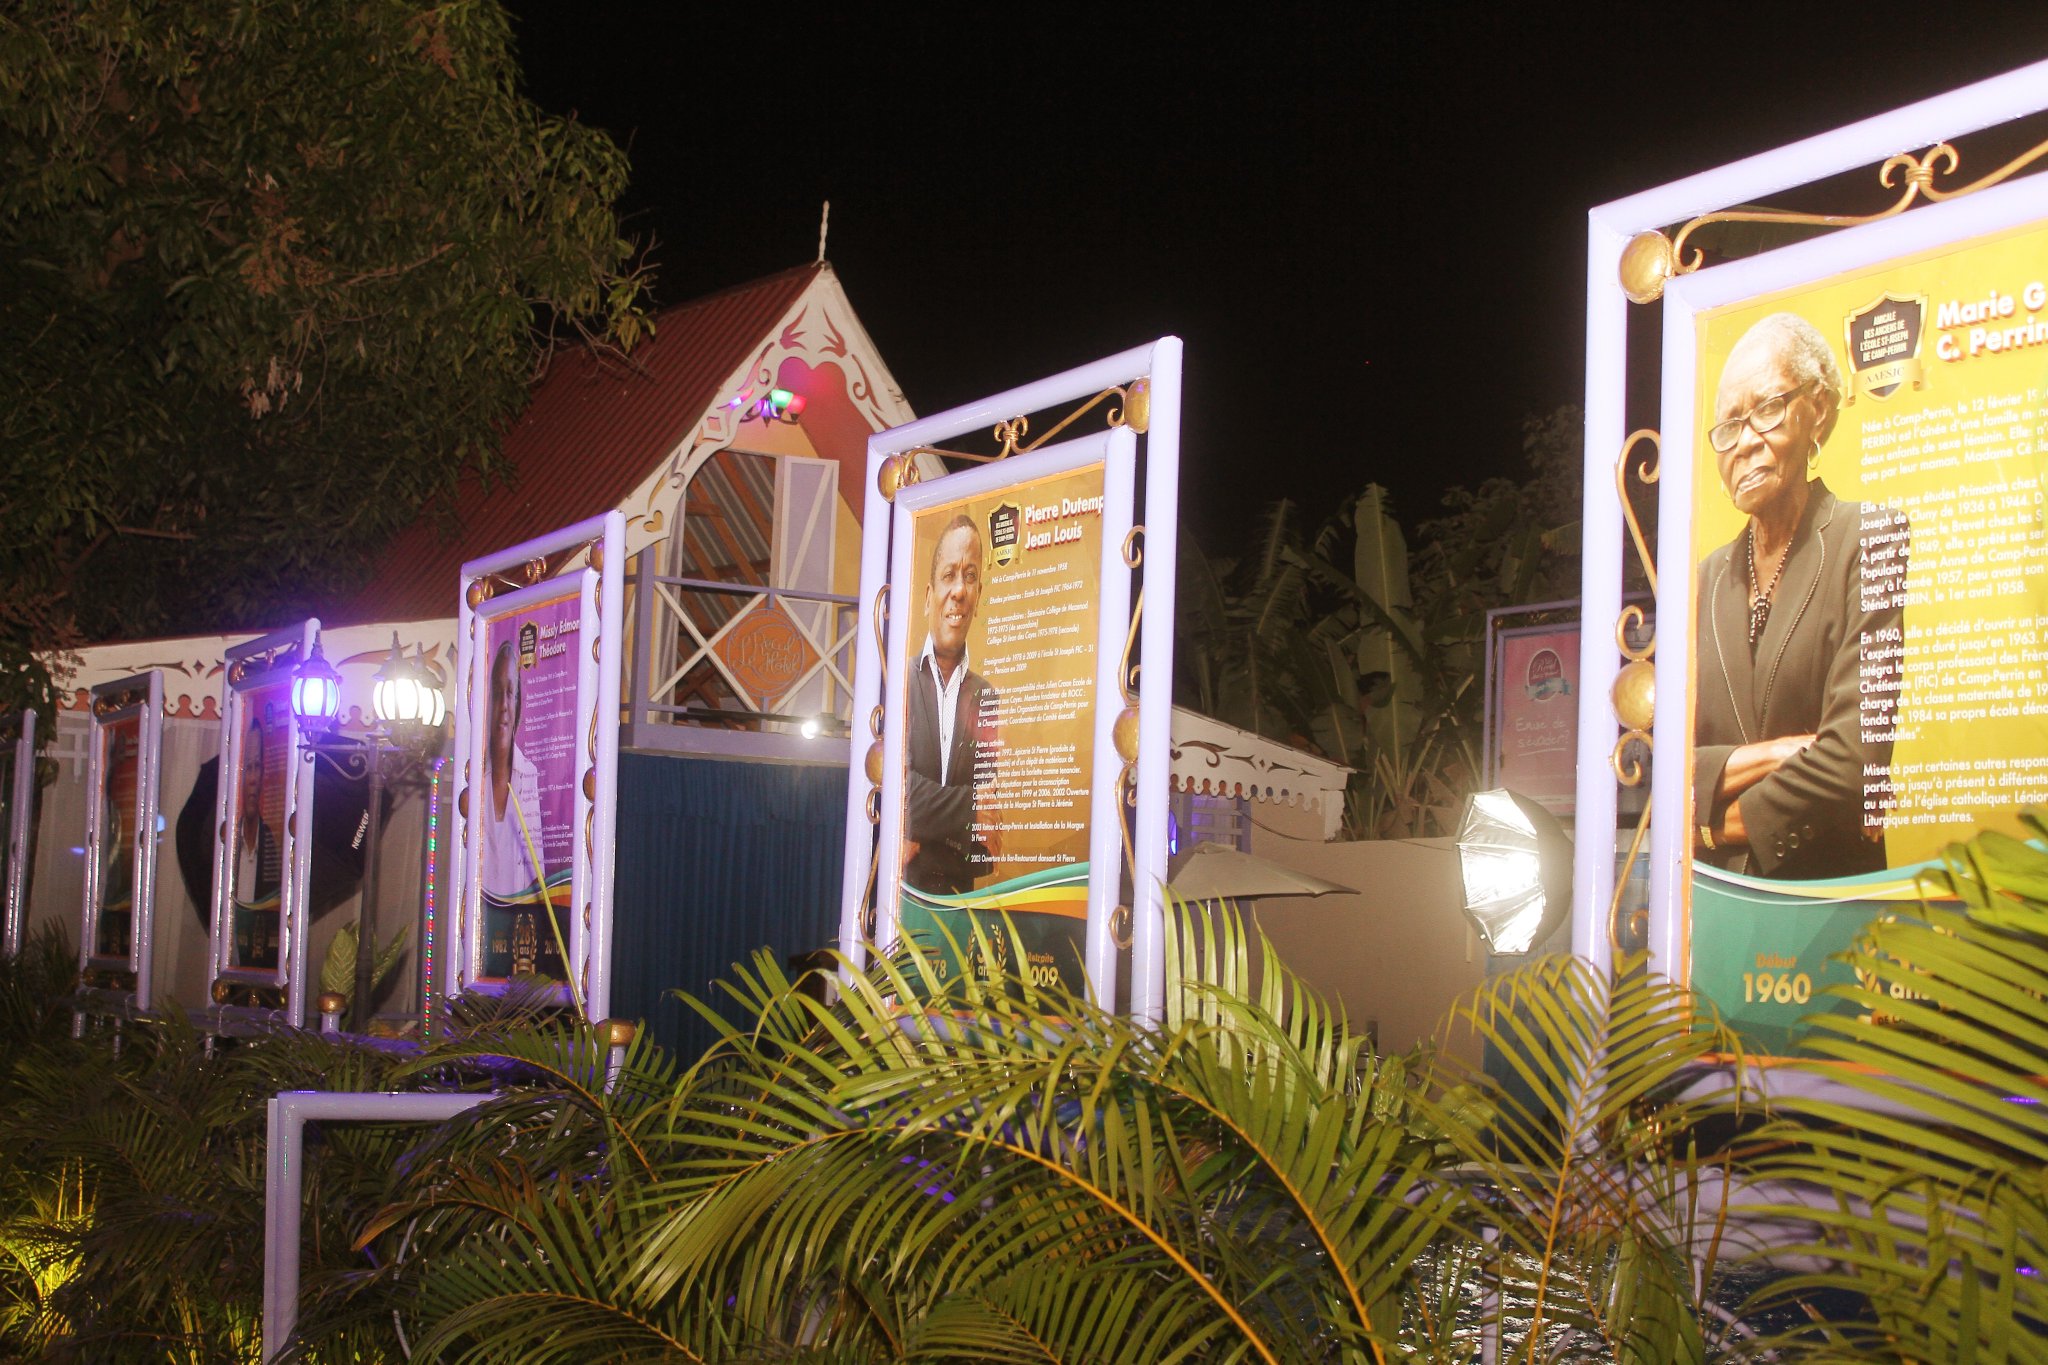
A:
{"x": 1610, "y": 227}
{"x": 147, "y": 710}
{"x": 287, "y": 649}
{"x": 284, "y": 1180}
{"x": 21, "y": 801}
{"x": 1159, "y": 363}
{"x": 601, "y": 587}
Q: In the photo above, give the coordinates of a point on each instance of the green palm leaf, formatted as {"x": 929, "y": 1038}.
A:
{"x": 1929, "y": 1153}
{"x": 1586, "y": 1175}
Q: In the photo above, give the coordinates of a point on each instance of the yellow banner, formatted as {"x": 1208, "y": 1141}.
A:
{"x": 1910, "y": 686}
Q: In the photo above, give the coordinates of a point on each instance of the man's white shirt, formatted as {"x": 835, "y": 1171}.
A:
{"x": 949, "y": 701}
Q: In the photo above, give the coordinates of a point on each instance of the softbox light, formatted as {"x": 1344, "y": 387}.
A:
{"x": 1516, "y": 864}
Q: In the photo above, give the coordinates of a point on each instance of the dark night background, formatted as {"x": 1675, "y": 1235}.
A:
{"x": 1368, "y": 223}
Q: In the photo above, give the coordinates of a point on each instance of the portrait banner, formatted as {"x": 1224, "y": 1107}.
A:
{"x": 263, "y": 766}
{"x": 524, "y": 822}
{"x": 537, "y": 766}
{"x": 262, "y": 863}
{"x": 1870, "y": 603}
{"x": 1534, "y": 726}
{"x": 18, "y": 790}
{"x": 996, "y": 747}
{"x": 121, "y": 839}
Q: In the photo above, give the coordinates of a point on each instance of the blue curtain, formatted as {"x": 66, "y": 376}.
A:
{"x": 715, "y": 860}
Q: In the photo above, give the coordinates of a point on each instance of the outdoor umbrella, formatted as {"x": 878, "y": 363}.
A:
{"x": 1211, "y": 872}
{"x": 339, "y": 804}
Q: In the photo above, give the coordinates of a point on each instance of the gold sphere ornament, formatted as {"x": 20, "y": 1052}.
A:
{"x": 221, "y": 991}
{"x": 477, "y": 593}
{"x": 331, "y": 1002}
{"x": 616, "y": 1032}
{"x": 889, "y": 477}
{"x": 1647, "y": 262}
{"x": 1138, "y": 406}
{"x": 1124, "y": 734}
{"x": 874, "y": 764}
{"x": 1635, "y": 694}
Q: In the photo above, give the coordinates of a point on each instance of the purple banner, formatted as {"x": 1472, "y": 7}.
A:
{"x": 528, "y": 789}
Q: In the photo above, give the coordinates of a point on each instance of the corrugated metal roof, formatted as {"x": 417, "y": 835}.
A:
{"x": 593, "y": 431}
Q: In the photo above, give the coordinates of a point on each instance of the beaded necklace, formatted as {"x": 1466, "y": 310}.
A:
{"x": 1760, "y": 603}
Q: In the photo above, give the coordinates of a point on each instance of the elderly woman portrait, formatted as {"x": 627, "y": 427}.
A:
{"x": 512, "y": 829}
{"x": 1797, "y": 650}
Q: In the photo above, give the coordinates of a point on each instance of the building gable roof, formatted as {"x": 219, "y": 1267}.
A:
{"x": 594, "y": 430}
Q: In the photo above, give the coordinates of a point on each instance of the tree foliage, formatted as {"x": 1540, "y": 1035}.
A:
{"x": 272, "y": 276}
{"x": 1348, "y": 639}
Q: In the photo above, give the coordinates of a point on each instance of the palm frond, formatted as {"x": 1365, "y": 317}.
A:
{"x": 1929, "y": 1162}
{"x": 1586, "y": 1175}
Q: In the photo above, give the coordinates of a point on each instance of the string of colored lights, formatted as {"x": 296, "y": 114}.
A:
{"x": 431, "y": 921}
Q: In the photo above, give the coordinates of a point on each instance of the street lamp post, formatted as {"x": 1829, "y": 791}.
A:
{"x": 409, "y": 710}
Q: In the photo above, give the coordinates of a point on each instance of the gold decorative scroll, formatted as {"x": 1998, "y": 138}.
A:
{"x": 2005, "y": 172}
{"x": 1647, "y": 472}
{"x": 1635, "y": 845}
{"x": 1630, "y": 619}
{"x": 1012, "y": 433}
{"x": 1628, "y": 771}
{"x": 879, "y": 614}
{"x": 524, "y": 575}
{"x": 1650, "y": 259}
{"x": 116, "y": 701}
{"x": 1918, "y": 179}
{"x": 1127, "y": 672}
{"x": 269, "y": 660}
{"x": 1632, "y": 685}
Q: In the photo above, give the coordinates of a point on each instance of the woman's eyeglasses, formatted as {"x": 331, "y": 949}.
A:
{"x": 1764, "y": 417}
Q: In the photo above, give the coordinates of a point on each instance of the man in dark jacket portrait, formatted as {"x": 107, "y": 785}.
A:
{"x": 952, "y": 715}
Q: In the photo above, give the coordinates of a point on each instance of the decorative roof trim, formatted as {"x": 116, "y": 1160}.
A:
{"x": 1217, "y": 759}
{"x": 192, "y": 671}
{"x": 820, "y": 327}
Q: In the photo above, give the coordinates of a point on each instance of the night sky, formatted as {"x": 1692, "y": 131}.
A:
{"x": 1367, "y": 222}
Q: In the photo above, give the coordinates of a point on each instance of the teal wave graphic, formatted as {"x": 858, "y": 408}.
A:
{"x": 534, "y": 893}
{"x": 1891, "y": 884}
{"x": 1897, "y": 882}
{"x": 1070, "y": 874}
